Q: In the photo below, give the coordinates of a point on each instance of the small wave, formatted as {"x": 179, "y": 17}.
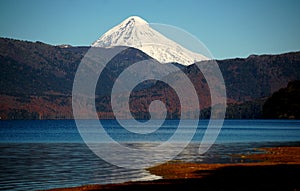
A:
{"x": 149, "y": 177}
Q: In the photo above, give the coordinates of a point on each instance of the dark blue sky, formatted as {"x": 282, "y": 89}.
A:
{"x": 229, "y": 29}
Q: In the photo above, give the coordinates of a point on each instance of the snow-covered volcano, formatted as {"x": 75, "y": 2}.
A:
{"x": 136, "y": 32}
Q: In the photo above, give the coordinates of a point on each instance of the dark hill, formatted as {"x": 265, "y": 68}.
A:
{"x": 285, "y": 103}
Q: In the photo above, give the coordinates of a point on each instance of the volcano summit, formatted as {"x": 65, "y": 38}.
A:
{"x": 137, "y": 33}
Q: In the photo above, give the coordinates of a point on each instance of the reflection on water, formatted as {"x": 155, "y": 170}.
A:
{"x": 34, "y": 166}
{"x": 41, "y": 166}
{"x": 36, "y": 155}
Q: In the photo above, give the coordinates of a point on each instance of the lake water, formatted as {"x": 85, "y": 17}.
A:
{"x": 37, "y": 155}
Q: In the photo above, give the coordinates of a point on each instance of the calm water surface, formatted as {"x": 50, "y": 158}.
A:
{"x": 36, "y": 155}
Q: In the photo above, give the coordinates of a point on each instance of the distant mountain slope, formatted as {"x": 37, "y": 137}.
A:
{"x": 36, "y": 80}
{"x": 36, "y": 68}
{"x": 259, "y": 76}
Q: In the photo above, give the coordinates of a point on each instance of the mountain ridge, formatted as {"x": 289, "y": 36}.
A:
{"x": 36, "y": 80}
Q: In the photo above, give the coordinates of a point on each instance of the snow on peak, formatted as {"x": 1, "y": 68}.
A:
{"x": 136, "y": 32}
{"x": 135, "y": 19}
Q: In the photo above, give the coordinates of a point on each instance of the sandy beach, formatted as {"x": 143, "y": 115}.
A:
{"x": 278, "y": 169}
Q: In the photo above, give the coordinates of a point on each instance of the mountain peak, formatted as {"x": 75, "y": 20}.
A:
{"x": 137, "y": 33}
{"x": 135, "y": 19}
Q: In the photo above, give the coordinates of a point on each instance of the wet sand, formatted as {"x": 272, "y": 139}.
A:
{"x": 278, "y": 169}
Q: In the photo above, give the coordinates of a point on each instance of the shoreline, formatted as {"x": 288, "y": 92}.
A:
{"x": 278, "y": 169}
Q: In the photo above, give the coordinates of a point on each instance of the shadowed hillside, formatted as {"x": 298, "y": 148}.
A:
{"x": 285, "y": 103}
